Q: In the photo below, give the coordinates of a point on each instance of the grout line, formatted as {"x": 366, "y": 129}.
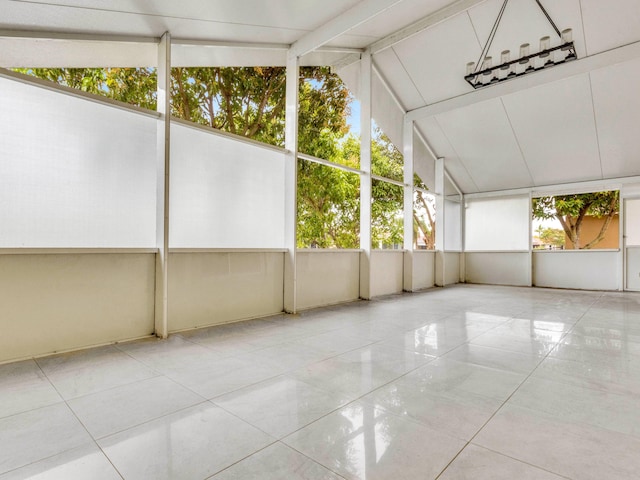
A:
{"x": 513, "y": 393}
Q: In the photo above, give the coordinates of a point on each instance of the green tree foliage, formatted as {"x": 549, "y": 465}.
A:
{"x": 251, "y": 102}
{"x": 136, "y": 86}
{"x": 551, "y": 236}
{"x": 571, "y": 210}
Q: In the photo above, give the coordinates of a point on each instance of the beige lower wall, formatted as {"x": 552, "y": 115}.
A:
{"x": 497, "y": 268}
{"x": 387, "y": 272}
{"x": 579, "y": 269}
{"x": 65, "y": 301}
{"x": 209, "y": 288}
{"x": 423, "y": 269}
{"x": 447, "y": 268}
{"x": 327, "y": 277}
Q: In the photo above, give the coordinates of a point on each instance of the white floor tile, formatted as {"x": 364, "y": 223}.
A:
{"x": 86, "y": 462}
{"x": 575, "y": 450}
{"x": 281, "y": 405}
{"x": 37, "y": 434}
{"x": 477, "y": 463}
{"x": 191, "y": 444}
{"x": 364, "y": 442}
{"x": 24, "y": 387}
{"x": 277, "y": 462}
{"x": 518, "y": 362}
{"x": 602, "y": 409}
{"x": 119, "y": 408}
{"x": 90, "y": 371}
{"x": 360, "y": 371}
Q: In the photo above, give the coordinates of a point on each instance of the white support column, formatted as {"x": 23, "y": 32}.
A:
{"x": 440, "y": 223}
{"x": 365, "y": 179}
{"x": 162, "y": 184}
{"x": 407, "y": 151}
{"x": 291, "y": 180}
{"x": 530, "y": 240}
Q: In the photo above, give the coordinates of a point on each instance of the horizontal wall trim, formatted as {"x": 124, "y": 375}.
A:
{"x": 388, "y": 250}
{"x": 72, "y": 251}
{"x": 228, "y": 250}
{"x": 329, "y": 250}
{"x": 328, "y": 163}
{"x": 496, "y": 251}
{"x": 108, "y": 102}
{"x": 221, "y": 133}
{"x": 593, "y": 250}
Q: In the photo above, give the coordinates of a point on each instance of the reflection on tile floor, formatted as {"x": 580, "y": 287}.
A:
{"x": 466, "y": 382}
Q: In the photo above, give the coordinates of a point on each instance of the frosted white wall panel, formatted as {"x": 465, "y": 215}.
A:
{"x": 224, "y": 192}
{"x": 632, "y": 221}
{"x": 74, "y": 173}
{"x": 581, "y": 269}
{"x": 452, "y": 230}
{"x": 497, "y": 224}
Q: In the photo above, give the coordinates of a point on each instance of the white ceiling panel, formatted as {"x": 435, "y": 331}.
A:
{"x": 19, "y": 15}
{"x": 616, "y": 100}
{"x": 482, "y": 137}
{"x": 294, "y": 14}
{"x": 441, "y": 146}
{"x": 41, "y": 53}
{"x": 399, "y": 16}
{"x": 394, "y": 73}
{"x": 435, "y": 58}
{"x": 611, "y": 23}
{"x": 555, "y": 127}
{"x": 524, "y": 22}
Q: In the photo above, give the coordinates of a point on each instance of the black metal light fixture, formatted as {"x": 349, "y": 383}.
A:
{"x": 484, "y": 73}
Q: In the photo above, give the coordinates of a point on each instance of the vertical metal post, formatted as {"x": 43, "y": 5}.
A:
{"x": 407, "y": 151}
{"x": 440, "y": 225}
{"x": 291, "y": 180}
{"x": 365, "y": 177}
{"x": 162, "y": 185}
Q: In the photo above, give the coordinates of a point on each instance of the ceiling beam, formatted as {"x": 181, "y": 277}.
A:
{"x": 423, "y": 24}
{"x": 553, "y": 74}
{"x": 356, "y": 15}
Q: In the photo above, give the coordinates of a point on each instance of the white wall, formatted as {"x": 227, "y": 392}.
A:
{"x": 579, "y": 269}
{"x": 387, "y": 272}
{"x": 497, "y": 268}
{"x": 327, "y": 277}
{"x": 63, "y": 301}
{"x": 633, "y": 268}
{"x": 423, "y": 269}
{"x": 208, "y": 287}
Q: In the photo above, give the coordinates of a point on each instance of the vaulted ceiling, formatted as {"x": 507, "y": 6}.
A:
{"x": 568, "y": 124}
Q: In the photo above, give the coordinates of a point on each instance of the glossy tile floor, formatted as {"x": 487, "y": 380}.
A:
{"x": 466, "y": 382}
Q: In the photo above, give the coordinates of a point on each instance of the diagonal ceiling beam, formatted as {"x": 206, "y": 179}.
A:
{"x": 356, "y": 15}
{"x": 553, "y": 74}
